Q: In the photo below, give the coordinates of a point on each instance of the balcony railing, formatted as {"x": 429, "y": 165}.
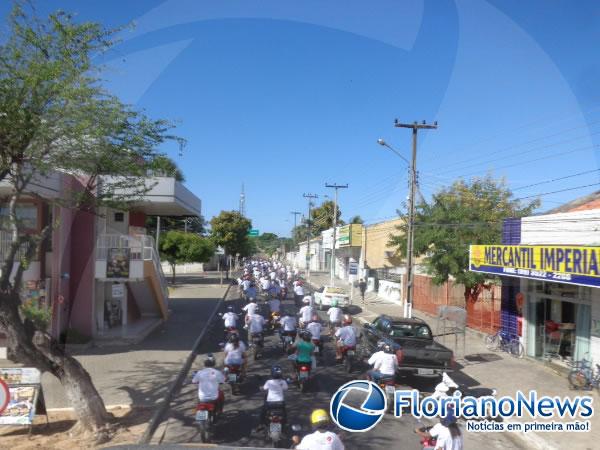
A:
{"x": 5, "y": 245}
{"x": 141, "y": 248}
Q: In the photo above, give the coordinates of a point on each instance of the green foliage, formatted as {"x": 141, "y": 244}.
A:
{"x": 163, "y": 166}
{"x": 194, "y": 224}
{"x": 39, "y": 316}
{"x": 357, "y": 219}
{"x": 178, "y": 247}
{"x": 269, "y": 243}
{"x": 322, "y": 217}
{"x": 230, "y": 230}
{"x": 462, "y": 214}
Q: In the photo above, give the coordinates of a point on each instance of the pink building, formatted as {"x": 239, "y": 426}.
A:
{"x": 99, "y": 274}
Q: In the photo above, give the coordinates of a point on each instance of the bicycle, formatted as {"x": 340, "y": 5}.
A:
{"x": 584, "y": 376}
{"x": 506, "y": 342}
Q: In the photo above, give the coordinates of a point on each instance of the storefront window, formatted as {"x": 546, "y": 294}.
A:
{"x": 27, "y": 214}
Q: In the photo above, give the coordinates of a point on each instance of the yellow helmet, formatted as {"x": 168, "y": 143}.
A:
{"x": 319, "y": 417}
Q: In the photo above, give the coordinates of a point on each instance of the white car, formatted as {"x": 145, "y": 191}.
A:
{"x": 325, "y": 295}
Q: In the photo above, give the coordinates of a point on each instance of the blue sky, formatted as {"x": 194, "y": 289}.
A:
{"x": 285, "y": 96}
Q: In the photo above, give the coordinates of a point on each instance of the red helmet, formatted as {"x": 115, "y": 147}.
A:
{"x": 347, "y": 319}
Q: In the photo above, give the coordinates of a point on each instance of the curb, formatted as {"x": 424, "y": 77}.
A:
{"x": 178, "y": 382}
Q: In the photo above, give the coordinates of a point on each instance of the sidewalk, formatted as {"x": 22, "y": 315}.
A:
{"x": 140, "y": 374}
{"x": 481, "y": 368}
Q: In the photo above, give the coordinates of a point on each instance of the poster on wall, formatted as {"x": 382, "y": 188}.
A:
{"x": 117, "y": 263}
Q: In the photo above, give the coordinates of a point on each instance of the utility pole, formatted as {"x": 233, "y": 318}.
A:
{"x": 415, "y": 127}
{"x": 296, "y": 214}
{"x": 335, "y": 208}
{"x": 310, "y": 198}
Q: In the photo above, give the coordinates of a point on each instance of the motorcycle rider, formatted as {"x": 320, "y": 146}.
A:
{"x": 306, "y": 312}
{"x": 235, "y": 352}
{"x": 250, "y": 293}
{"x": 335, "y": 315}
{"x": 274, "y": 387}
{"x": 256, "y": 324}
{"x": 298, "y": 292}
{"x": 250, "y": 308}
{"x": 447, "y": 434}
{"x": 321, "y": 438}
{"x": 230, "y": 318}
{"x": 288, "y": 326}
{"x": 384, "y": 362}
{"x": 346, "y": 336}
{"x": 314, "y": 328}
{"x": 208, "y": 380}
{"x": 304, "y": 349}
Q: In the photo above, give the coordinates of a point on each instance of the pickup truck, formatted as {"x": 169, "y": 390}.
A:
{"x": 412, "y": 339}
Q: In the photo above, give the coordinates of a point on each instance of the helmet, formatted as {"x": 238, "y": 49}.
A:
{"x": 388, "y": 348}
{"x": 307, "y": 299}
{"x": 334, "y": 303}
{"x": 381, "y": 345}
{"x": 306, "y": 335}
{"x": 234, "y": 338}
{"x": 276, "y": 372}
{"x": 209, "y": 361}
{"x": 347, "y": 319}
{"x": 319, "y": 417}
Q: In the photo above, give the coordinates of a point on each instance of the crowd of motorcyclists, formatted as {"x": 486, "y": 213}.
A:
{"x": 263, "y": 286}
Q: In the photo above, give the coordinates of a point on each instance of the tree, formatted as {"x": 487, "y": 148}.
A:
{"x": 322, "y": 217}
{"x": 191, "y": 224}
{"x": 163, "y": 166}
{"x": 357, "y": 219}
{"x": 178, "y": 247}
{"x": 55, "y": 116}
{"x": 269, "y": 243}
{"x": 462, "y": 214}
{"x": 230, "y": 230}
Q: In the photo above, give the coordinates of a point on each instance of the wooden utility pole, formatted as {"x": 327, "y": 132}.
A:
{"x": 335, "y": 208}
{"x": 411, "y": 211}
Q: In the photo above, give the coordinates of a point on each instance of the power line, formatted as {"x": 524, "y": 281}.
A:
{"x": 556, "y": 179}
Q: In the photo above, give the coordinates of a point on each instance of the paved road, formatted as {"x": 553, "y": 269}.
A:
{"x": 139, "y": 374}
{"x": 237, "y": 427}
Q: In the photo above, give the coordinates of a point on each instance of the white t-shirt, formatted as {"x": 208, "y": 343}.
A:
{"x": 444, "y": 438}
{"x": 335, "y": 314}
{"x": 265, "y": 283}
{"x": 246, "y": 284}
{"x": 275, "y": 390}
{"x": 250, "y": 308}
{"x": 274, "y": 305}
{"x": 288, "y": 323}
{"x": 272, "y": 275}
{"x": 386, "y": 363}
{"x": 298, "y": 290}
{"x": 234, "y": 355}
{"x": 321, "y": 441}
{"x": 346, "y": 335}
{"x": 230, "y": 319}
{"x": 315, "y": 329}
{"x": 256, "y": 323}
{"x": 307, "y": 312}
{"x": 208, "y": 383}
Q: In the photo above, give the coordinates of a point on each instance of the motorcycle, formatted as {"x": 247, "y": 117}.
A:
{"x": 275, "y": 418}
{"x": 303, "y": 371}
{"x": 256, "y": 345}
{"x": 427, "y": 442}
{"x": 388, "y": 384}
{"x": 348, "y": 355}
{"x": 233, "y": 375}
{"x": 287, "y": 340}
{"x": 205, "y": 418}
{"x": 318, "y": 347}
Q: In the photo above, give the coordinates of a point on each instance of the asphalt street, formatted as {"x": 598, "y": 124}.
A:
{"x": 238, "y": 425}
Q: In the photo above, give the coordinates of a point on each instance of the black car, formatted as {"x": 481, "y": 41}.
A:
{"x": 416, "y": 350}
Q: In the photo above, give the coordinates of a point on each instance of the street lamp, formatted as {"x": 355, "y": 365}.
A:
{"x": 385, "y": 144}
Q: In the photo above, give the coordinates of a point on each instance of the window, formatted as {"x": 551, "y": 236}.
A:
{"x": 399, "y": 329}
{"x": 27, "y": 214}
{"x": 119, "y": 217}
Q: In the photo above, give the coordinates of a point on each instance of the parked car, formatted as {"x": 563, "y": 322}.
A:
{"x": 417, "y": 352}
{"x": 326, "y": 294}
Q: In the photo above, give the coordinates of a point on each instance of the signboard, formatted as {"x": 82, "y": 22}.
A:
{"x": 4, "y": 396}
{"x": 23, "y": 385}
{"x": 350, "y": 235}
{"x": 557, "y": 263}
{"x": 117, "y": 263}
{"x": 253, "y": 232}
{"x": 352, "y": 268}
{"x": 118, "y": 290}
{"x": 220, "y": 251}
